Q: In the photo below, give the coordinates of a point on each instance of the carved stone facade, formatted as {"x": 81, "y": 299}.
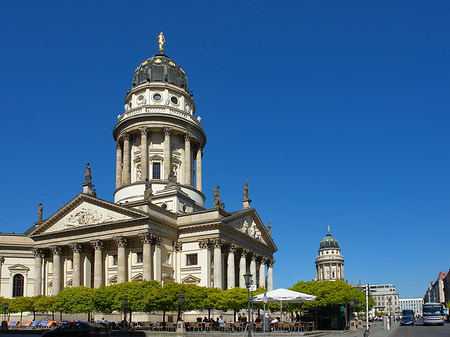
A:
{"x": 168, "y": 237}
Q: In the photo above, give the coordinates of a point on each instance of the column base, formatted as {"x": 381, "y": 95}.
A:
{"x": 87, "y": 188}
{"x": 181, "y": 326}
{"x": 246, "y": 203}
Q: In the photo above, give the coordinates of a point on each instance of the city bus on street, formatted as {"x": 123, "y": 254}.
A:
{"x": 433, "y": 313}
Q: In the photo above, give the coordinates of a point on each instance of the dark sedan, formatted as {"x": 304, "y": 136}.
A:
{"x": 78, "y": 329}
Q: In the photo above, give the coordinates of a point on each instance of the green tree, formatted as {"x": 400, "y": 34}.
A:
{"x": 21, "y": 304}
{"x": 75, "y": 300}
{"x": 328, "y": 293}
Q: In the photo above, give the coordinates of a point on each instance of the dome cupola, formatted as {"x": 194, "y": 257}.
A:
{"x": 330, "y": 262}
{"x": 329, "y": 241}
{"x": 160, "y": 68}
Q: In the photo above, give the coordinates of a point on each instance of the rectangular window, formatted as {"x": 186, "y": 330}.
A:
{"x": 140, "y": 257}
{"x": 156, "y": 171}
{"x": 114, "y": 260}
{"x": 191, "y": 259}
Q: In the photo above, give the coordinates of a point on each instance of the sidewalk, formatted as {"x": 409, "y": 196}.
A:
{"x": 376, "y": 330}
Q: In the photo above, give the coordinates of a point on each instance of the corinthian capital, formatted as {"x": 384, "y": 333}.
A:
{"x": 178, "y": 246}
{"x": 76, "y": 247}
{"x": 38, "y": 252}
{"x": 167, "y": 130}
{"x": 203, "y": 243}
{"x": 125, "y": 136}
{"x": 143, "y": 130}
{"x": 97, "y": 244}
{"x": 188, "y": 136}
{"x": 244, "y": 252}
{"x": 146, "y": 238}
{"x": 217, "y": 243}
{"x": 56, "y": 250}
{"x": 233, "y": 248}
{"x": 120, "y": 241}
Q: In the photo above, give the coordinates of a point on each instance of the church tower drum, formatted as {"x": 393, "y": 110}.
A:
{"x": 330, "y": 262}
{"x": 159, "y": 142}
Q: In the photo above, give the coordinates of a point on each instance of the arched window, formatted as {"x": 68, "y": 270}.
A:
{"x": 18, "y": 285}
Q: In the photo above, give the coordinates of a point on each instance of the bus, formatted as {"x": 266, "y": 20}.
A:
{"x": 433, "y": 313}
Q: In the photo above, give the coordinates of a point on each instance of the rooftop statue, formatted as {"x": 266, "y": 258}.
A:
{"x": 217, "y": 203}
{"x": 40, "y": 212}
{"x": 246, "y": 190}
{"x": 87, "y": 174}
{"x": 148, "y": 189}
{"x": 161, "y": 41}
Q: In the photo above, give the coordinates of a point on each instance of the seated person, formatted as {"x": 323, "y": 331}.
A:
{"x": 221, "y": 321}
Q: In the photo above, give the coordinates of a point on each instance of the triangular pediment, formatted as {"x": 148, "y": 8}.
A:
{"x": 84, "y": 211}
{"x": 250, "y": 224}
{"x": 18, "y": 268}
{"x": 190, "y": 279}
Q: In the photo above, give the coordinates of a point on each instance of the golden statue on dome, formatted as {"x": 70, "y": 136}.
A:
{"x": 328, "y": 228}
{"x": 161, "y": 41}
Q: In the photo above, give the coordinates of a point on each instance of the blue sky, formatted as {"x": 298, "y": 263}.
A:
{"x": 335, "y": 111}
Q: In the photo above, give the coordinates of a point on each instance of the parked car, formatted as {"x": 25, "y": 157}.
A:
{"x": 78, "y": 329}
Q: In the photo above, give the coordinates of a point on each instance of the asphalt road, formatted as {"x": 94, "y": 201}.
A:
{"x": 419, "y": 330}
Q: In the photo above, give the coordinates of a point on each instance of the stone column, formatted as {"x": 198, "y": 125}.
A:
{"x": 218, "y": 265}
{"x": 144, "y": 152}
{"x": 177, "y": 248}
{"x": 98, "y": 263}
{"x": 262, "y": 272}
{"x": 270, "y": 275}
{"x": 231, "y": 280}
{"x": 187, "y": 159}
{"x": 147, "y": 257}
{"x": 121, "y": 243}
{"x": 126, "y": 159}
{"x": 38, "y": 255}
{"x": 76, "y": 276}
{"x": 204, "y": 244}
{"x": 242, "y": 268}
{"x": 158, "y": 261}
{"x": 118, "y": 165}
{"x": 253, "y": 267}
{"x": 167, "y": 156}
{"x": 56, "y": 250}
{"x": 198, "y": 169}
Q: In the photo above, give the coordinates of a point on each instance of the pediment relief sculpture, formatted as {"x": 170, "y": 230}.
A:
{"x": 251, "y": 230}
{"x": 86, "y": 216}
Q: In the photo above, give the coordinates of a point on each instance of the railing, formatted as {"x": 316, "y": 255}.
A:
{"x": 168, "y": 111}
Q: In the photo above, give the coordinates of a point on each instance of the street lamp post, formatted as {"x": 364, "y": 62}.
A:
{"x": 124, "y": 304}
{"x": 180, "y": 324}
{"x": 248, "y": 283}
{"x": 180, "y": 300}
{"x": 4, "y": 322}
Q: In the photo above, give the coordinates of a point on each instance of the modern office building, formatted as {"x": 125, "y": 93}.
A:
{"x": 386, "y": 298}
{"x": 415, "y": 304}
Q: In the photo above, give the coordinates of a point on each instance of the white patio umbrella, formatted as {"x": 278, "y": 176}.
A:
{"x": 284, "y": 296}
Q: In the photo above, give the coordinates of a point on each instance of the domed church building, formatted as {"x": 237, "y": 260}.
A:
{"x": 157, "y": 226}
{"x": 330, "y": 262}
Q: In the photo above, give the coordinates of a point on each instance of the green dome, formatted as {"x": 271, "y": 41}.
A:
{"x": 329, "y": 242}
{"x": 160, "y": 68}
